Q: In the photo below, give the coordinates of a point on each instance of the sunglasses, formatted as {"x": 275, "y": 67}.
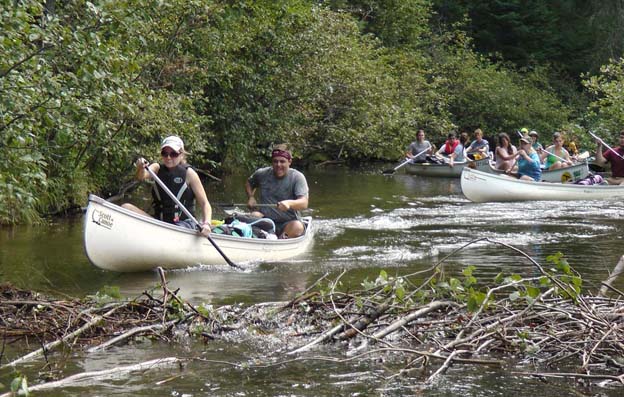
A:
{"x": 166, "y": 153}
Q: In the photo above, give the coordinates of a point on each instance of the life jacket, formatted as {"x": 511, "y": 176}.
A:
{"x": 448, "y": 148}
{"x": 165, "y": 208}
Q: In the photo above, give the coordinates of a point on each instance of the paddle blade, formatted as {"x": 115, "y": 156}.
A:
{"x": 388, "y": 171}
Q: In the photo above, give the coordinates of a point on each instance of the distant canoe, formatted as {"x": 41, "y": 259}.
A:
{"x": 573, "y": 173}
{"x": 443, "y": 170}
{"x": 481, "y": 187}
{"x": 121, "y": 240}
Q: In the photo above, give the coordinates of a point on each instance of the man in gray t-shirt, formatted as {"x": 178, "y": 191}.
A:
{"x": 283, "y": 186}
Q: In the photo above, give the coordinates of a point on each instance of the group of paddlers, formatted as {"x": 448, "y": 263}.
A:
{"x": 527, "y": 162}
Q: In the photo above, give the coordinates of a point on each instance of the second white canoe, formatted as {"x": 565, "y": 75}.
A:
{"x": 481, "y": 187}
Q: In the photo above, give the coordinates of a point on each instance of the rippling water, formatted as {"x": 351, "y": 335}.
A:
{"x": 364, "y": 222}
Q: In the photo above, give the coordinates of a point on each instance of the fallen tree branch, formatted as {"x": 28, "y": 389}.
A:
{"x": 85, "y": 378}
{"x": 607, "y": 284}
{"x": 130, "y": 333}
{"x": 52, "y": 345}
{"x": 619, "y": 379}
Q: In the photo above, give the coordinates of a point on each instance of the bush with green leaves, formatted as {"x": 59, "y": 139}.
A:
{"x": 606, "y": 111}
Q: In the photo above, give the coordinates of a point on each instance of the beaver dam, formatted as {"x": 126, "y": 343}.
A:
{"x": 423, "y": 323}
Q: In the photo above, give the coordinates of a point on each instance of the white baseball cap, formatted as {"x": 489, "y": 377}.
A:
{"x": 173, "y": 142}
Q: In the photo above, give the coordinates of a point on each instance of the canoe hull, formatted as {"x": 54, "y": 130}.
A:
{"x": 481, "y": 187}
{"x": 120, "y": 240}
{"x": 442, "y": 170}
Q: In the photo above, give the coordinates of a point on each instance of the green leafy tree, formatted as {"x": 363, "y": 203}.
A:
{"x": 606, "y": 111}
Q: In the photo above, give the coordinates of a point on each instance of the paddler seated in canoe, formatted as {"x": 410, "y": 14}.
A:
{"x": 505, "y": 153}
{"x": 453, "y": 149}
{"x": 555, "y": 156}
{"x": 534, "y": 141}
{"x": 420, "y": 149}
{"x": 183, "y": 182}
{"x": 479, "y": 148}
{"x": 529, "y": 165}
{"x": 614, "y": 157}
{"x": 282, "y": 186}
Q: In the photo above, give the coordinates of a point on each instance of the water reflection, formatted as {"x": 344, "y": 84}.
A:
{"x": 364, "y": 221}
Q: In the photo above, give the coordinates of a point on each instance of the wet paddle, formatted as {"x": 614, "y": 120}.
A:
{"x": 393, "y": 170}
{"x": 603, "y": 143}
{"x": 227, "y": 205}
{"x": 190, "y": 216}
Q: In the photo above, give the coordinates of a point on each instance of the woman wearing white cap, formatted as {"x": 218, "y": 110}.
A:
{"x": 529, "y": 166}
{"x": 178, "y": 177}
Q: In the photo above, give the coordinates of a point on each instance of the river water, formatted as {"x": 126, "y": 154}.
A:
{"x": 365, "y": 221}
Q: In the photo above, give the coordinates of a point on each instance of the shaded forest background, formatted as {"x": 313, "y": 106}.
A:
{"x": 88, "y": 86}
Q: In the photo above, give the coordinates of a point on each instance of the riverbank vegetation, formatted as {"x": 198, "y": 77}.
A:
{"x": 89, "y": 86}
{"x": 544, "y": 322}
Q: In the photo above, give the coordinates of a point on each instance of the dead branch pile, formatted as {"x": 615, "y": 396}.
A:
{"x": 432, "y": 319}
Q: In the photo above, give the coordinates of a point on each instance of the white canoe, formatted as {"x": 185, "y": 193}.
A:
{"x": 481, "y": 187}
{"x": 573, "y": 173}
{"x": 124, "y": 241}
{"x": 443, "y": 170}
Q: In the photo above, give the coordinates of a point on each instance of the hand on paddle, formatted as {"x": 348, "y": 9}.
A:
{"x": 206, "y": 229}
{"x": 141, "y": 163}
{"x": 283, "y": 205}
{"x": 251, "y": 203}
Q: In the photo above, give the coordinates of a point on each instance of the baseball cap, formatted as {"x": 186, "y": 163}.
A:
{"x": 173, "y": 142}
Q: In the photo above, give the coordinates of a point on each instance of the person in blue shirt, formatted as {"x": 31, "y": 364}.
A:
{"x": 528, "y": 161}
{"x": 479, "y": 148}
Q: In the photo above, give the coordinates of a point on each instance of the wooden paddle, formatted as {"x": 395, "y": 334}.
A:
{"x": 393, "y": 170}
{"x": 189, "y": 215}
{"x": 605, "y": 145}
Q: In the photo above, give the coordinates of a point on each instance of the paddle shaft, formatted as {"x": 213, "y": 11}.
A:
{"x": 189, "y": 215}
{"x": 401, "y": 165}
{"x": 406, "y": 161}
{"x": 244, "y": 205}
{"x": 605, "y": 145}
{"x": 552, "y": 154}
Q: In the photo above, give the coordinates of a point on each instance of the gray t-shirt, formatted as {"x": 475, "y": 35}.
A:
{"x": 476, "y": 145}
{"x": 417, "y": 147}
{"x": 273, "y": 190}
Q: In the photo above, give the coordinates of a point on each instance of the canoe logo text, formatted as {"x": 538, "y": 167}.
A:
{"x": 102, "y": 219}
